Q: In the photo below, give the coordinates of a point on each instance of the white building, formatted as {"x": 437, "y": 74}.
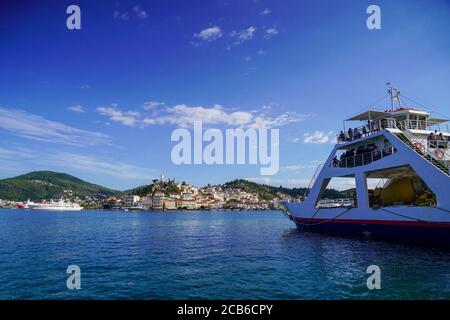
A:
{"x": 131, "y": 200}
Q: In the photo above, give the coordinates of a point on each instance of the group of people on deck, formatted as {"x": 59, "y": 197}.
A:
{"x": 357, "y": 133}
{"x": 437, "y": 140}
{"x": 360, "y": 156}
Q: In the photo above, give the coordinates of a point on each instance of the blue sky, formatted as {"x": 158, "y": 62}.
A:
{"x": 102, "y": 102}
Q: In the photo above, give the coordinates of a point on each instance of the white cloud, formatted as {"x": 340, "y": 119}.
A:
{"x": 128, "y": 118}
{"x": 140, "y": 14}
{"x": 209, "y": 34}
{"x": 77, "y": 108}
{"x": 243, "y": 35}
{"x": 136, "y": 12}
{"x": 85, "y": 87}
{"x": 122, "y": 16}
{"x": 266, "y": 12}
{"x": 184, "y": 115}
{"x": 35, "y": 127}
{"x": 270, "y": 33}
{"x": 266, "y": 121}
{"x": 150, "y": 105}
{"x": 261, "y": 52}
{"x": 318, "y": 137}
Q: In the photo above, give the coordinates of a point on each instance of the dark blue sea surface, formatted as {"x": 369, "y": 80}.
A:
{"x": 202, "y": 255}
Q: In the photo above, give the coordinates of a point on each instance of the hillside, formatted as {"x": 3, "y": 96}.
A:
{"x": 264, "y": 192}
{"x": 267, "y": 192}
{"x": 168, "y": 186}
{"x": 40, "y": 185}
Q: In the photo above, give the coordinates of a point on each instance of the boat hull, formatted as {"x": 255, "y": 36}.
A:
{"x": 435, "y": 234}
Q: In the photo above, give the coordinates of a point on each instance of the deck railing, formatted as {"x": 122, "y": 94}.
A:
{"x": 427, "y": 149}
{"x": 423, "y": 125}
{"x": 368, "y": 129}
{"x": 362, "y": 158}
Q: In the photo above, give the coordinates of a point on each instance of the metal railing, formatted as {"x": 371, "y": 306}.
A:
{"x": 362, "y": 158}
{"x": 423, "y": 125}
{"x": 368, "y": 129}
{"x": 313, "y": 179}
{"x": 440, "y": 144}
{"x": 425, "y": 149}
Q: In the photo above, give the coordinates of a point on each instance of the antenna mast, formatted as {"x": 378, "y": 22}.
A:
{"x": 395, "y": 96}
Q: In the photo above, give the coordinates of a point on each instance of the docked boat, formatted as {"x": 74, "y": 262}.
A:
{"x": 26, "y": 205}
{"x": 60, "y": 205}
{"x": 398, "y": 161}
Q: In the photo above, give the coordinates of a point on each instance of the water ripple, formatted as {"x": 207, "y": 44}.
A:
{"x": 203, "y": 256}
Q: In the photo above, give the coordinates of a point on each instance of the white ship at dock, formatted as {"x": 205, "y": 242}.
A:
{"x": 407, "y": 151}
{"x": 60, "y": 205}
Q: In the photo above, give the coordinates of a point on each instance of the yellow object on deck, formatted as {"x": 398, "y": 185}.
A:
{"x": 399, "y": 192}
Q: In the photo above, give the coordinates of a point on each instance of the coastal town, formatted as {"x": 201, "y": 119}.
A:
{"x": 166, "y": 195}
{"x": 171, "y": 195}
{"x": 191, "y": 198}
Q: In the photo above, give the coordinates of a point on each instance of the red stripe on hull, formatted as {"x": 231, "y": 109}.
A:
{"x": 378, "y": 222}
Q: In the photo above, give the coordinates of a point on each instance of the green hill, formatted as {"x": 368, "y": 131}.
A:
{"x": 40, "y": 185}
{"x": 167, "y": 186}
{"x": 268, "y": 192}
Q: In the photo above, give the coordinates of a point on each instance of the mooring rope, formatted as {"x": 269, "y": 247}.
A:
{"x": 326, "y": 221}
{"x": 443, "y": 209}
{"x": 414, "y": 219}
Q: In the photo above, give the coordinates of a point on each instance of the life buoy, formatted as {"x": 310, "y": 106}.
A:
{"x": 418, "y": 146}
{"x": 439, "y": 153}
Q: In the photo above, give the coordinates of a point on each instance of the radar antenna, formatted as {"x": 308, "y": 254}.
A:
{"x": 395, "y": 97}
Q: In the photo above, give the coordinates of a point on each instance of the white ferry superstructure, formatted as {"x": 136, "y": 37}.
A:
{"x": 406, "y": 151}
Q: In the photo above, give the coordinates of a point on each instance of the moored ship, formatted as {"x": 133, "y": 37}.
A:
{"x": 399, "y": 163}
{"x": 60, "y": 205}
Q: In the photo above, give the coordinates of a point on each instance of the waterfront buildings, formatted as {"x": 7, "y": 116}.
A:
{"x": 131, "y": 201}
{"x": 158, "y": 200}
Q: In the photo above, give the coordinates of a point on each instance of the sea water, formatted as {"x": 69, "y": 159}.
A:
{"x": 203, "y": 255}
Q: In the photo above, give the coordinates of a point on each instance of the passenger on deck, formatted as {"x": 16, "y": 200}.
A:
{"x": 441, "y": 141}
{"x": 376, "y": 153}
{"x": 350, "y": 134}
{"x": 335, "y": 162}
{"x": 342, "y": 160}
{"x": 364, "y": 131}
{"x": 431, "y": 139}
{"x": 342, "y": 136}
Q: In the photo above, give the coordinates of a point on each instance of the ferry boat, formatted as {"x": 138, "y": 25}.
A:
{"x": 60, "y": 205}
{"x": 404, "y": 153}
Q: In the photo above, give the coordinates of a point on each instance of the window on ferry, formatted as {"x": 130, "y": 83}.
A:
{"x": 338, "y": 192}
{"x": 398, "y": 186}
